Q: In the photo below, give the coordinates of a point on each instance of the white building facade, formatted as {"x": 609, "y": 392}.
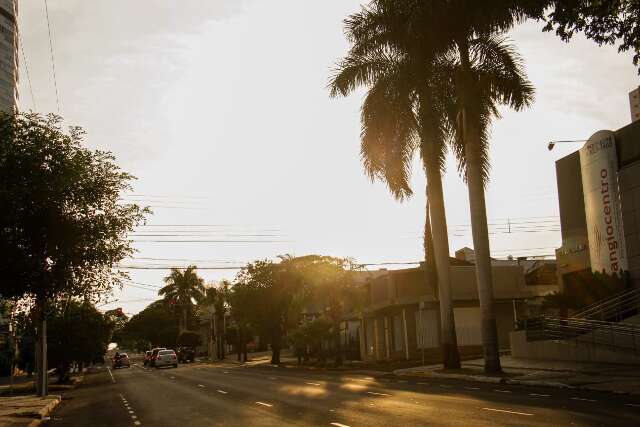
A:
{"x": 8, "y": 55}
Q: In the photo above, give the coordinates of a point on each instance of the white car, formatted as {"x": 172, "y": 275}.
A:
{"x": 166, "y": 358}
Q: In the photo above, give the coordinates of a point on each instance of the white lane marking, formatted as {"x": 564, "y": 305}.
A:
{"x": 507, "y": 412}
{"x": 338, "y": 425}
{"x": 445, "y": 386}
{"x": 133, "y": 417}
{"x": 172, "y": 378}
{"x": 268, "y": 405}
{"x": 313, "y": 383}
{"x": 221, "y": 391}
{"x": 112, "y": 379}
{"x": 583, "y": 399}
{"x": 201, "y": 386}
{"x": 137, "y": 423}
{"x": 502, "y": 391}
{"x": 633, "y": 404}
{"x": 472, "y": 388}
{"x": 356, "y": 379}
{"x": 423, "y": 383}
{"x": 539, "y": 395}
{"x": 273, "y": 378}
{"x": 131, "y": 412}
{"x": 225, "y": 372}
{"x": 378, "y": 394}
{"x": 403, "y": 381}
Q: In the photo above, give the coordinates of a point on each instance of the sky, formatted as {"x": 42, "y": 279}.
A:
{"x": 221, "y": 111}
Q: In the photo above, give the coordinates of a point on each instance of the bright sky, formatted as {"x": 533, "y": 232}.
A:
{"x": 220, "y": 109}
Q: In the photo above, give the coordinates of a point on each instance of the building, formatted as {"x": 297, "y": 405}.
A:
{"x": 401, "y": 318}
{"x": 8, "y": 55}
{"x": 634, "y": 104}
{"x": 599, "y": 197}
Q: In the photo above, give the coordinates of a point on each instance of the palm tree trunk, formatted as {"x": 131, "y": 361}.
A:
{"x": 430, "y": 275}
{"x": 477, "y": 205}
{"x": 448, "y": 338}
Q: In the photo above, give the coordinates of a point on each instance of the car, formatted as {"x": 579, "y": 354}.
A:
{"x": 147, "y": 357}
{"x": 166, "y": 358}
{"x": 154, "y": 354}
{"x": 186, "y": 354}
{"x": 121, "y": 361}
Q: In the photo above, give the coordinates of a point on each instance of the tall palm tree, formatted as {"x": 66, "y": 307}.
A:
{"x": 182, "y": 289}
{"x": 485, "y": 72}
{"x": 403, "y": 112}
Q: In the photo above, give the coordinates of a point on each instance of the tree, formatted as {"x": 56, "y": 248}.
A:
{"x": 119, "y": 320}
{"x": 155, "y": 326}
{"x": 78, "y": 333}
{"x": 485, "y": 72}
{"x": 63, "y": 226}
{"x": 270, "y": 289}
{"x": 189, "y": 339}
{"x": 215, "y": 303}
{"x": 183, "y": 288}
{"x": 404, "y": 111}
{"x": 242, "y": 303}
{"x": 605, "y": 22}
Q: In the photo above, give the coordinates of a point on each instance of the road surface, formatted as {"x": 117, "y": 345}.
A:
{"x": 233, "y": 395}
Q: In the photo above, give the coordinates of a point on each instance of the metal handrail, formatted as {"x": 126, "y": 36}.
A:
{"x": 615, "y": 307}
{"x": 619, "y": 336}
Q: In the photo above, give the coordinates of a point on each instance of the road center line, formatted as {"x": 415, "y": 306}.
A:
{"x": 507, "y": 412}
{"x": 338, "y": 425}
{"x": 538, "y": 395}
{"x": 472, "y": 388}
{"x": 633, "y": 404}
{"x": 201, "y": 386}
{"x": 268, "y": 405}
{"x": 112, "y": 379}
{"x": 502, "y": 391}
{"x": 378, "y": 394}
{"x": 313, "y": 383}
{"x": 583, "y": 399}
{"x": 221, "y": 391}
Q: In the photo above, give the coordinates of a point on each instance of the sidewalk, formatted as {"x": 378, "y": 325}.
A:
{"x": 26, "y": 410}
{"x": 585, "y": 376}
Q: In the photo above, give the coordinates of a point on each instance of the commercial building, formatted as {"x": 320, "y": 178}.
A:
{"x": 401, "y": 317}
{"x": 634, "y": 104}
{"x": 599, "y": 197}
{"x": 8, "y": 55}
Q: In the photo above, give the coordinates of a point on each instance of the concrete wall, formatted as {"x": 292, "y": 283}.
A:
{"x": 630, "y": 200}
{"x": 571, "y": 350}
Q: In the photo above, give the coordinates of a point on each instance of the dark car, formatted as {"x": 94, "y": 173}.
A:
{"x": 121, "y": 361}
{"x": 186, "y": 354}
{"x": 154, "y": 355}
{"x": 147, "y": 357}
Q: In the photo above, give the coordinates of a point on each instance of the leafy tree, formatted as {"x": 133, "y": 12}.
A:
{"x": 63, "y": 226}
{"x": 605, "y": 22}
{"x": 271, "y": 290}
{"x": 242, "y": 300}
{"x": 155, "y": 326}
{"x": 183, "y": 288}
{"x": 215, "y": 303}
{"x": 119, "y": 320}
{"x": 78, "y": 333}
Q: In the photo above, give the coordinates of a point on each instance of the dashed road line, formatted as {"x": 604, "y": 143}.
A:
{"x": 539, "y": 395}
{"x": 583, "y": 399}
{"x": 316, "y": 384}
{"x": 507, "y": 412}
{"x": 222, "y": 392}
{"x": 635, "y": 405}
{"x": 112, "y": 378}
{"x": 472, "y": 388}
{"x": 268, "y": 405}
{"x": 201, "y": 385}
{"x": 338, "y": 425}
{"x": 501, "y": 391}
{"x": 377, "y": 394}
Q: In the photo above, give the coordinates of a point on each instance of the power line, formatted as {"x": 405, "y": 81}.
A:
{"x": 26, "y": 69}
{"x": 53, "y": 63}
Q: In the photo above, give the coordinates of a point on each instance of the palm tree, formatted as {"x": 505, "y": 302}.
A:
{"x": 182, "y": 289}
{"x": 484, "y": 72}
{"x": 404, "y": 111}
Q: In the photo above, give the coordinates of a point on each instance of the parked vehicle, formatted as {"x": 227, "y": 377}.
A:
{"x": 186, "y": 354}
{"x": 166, "y": 358}
{"x": 147, "y": 357}
{"x": 154, "y": 355}
{"x": 121, "y": 360}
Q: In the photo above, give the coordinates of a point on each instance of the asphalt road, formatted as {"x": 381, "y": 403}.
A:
{"x": 233, "y": 395}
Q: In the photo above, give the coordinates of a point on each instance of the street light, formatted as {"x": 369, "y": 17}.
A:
{"x": 552, "y": 144}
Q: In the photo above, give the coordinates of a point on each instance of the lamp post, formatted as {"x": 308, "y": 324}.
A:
{"x": 552, "y": 144}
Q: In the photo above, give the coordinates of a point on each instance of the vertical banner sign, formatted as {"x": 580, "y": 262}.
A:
{"x": 599, "y": 168}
